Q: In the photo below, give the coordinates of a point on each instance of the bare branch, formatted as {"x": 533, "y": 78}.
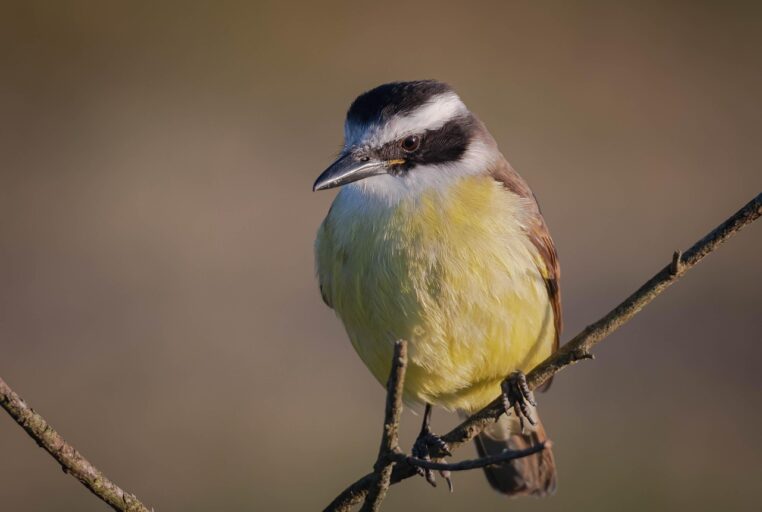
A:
{"x": 465, "y": 465}
{"x": 72, "y": 462}
{"x": 390, "y": 437}
{"x": 575, "y": 350}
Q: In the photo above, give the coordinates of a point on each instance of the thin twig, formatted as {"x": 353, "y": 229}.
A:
{"x": 575, "y": 350}
{"x": 389, "y": 452}
{"x": 71, "y": 460}
{"x": 482, "y": 462}
{"x": 390, "y": 437}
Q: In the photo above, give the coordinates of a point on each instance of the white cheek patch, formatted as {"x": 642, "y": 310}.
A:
{"x": 432, "y": 115}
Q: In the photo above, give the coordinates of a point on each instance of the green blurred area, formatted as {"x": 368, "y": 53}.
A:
{"x": 157, "y": 294}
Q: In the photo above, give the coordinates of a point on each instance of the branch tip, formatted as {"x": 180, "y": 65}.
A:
{"x": 71, "y": 461}
{"x": 382, "y": 469}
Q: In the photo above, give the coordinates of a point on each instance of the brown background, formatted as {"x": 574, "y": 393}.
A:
{"x": 157, "y": 297}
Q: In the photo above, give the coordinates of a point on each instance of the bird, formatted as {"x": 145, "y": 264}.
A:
{"x": 435, "y": 239}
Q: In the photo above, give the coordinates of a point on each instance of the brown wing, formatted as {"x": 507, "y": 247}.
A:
{"x": 538, "y": 233}
{"x": 540, "y": 237}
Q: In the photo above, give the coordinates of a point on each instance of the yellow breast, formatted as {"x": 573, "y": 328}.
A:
{"x": 452, "y": 272}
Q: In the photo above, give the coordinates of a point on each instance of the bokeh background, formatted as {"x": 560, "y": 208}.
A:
{"x": 157, "y": 297}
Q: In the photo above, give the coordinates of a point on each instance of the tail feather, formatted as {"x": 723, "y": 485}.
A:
{"x": 534, "y": 475}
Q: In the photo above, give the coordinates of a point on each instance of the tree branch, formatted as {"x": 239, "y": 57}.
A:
{"x": 389, "y": 452}
{"x": 576, "y": 349}
{"x": 71, "y": 460}
{"x": 482, "y": 462}
{"x": 390, "y": 437}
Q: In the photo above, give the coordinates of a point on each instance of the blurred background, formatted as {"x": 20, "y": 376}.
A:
{"x": 157, "y": 295}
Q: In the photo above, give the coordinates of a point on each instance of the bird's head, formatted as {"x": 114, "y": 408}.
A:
{"x": 403, "y": 137}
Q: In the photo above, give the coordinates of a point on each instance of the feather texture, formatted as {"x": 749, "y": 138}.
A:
{"x": 456, "y": 270}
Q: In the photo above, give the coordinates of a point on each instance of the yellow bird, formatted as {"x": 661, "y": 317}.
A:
{"x": 435, "y": 239}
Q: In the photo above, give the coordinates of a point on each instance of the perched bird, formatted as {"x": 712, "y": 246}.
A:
{"x": 435, "y": 239}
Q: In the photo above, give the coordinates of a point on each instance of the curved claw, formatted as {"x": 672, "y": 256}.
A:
{"x": 427, "y": 443}
{"x": 518, "y": 399}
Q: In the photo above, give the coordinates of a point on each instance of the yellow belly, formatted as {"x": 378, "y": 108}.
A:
{"x": 450, "y": 271}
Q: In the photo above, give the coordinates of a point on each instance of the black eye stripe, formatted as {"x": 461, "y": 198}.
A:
{"x": 445, "y": 144}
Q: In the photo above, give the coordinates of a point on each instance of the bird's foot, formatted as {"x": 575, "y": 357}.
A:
{"x": 425, "y": 446}
{"x": 518, "y": 399}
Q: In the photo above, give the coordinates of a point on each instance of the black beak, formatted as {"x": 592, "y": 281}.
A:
{"x": 348, "y": 168}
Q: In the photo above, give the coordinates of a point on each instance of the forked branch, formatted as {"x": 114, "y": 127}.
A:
{"x": 393, "y": 466}
{"x": 389, "y": 453}
{"x": 575, "y": 350}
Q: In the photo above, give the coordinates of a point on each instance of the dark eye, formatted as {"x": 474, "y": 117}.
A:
{"x": 410, "y": 143}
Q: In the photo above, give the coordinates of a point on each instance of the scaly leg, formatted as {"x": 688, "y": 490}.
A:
{"x": 423, "y": 446}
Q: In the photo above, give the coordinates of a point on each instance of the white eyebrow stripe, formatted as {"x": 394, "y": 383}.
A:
{"x": 432, "y": 115}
